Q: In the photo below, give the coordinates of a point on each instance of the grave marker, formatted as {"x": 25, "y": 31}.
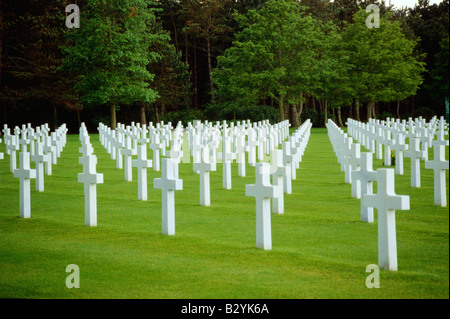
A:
{"x": 24, "y": 173}
{"x": 90, "y": 178}
{"x": 263, "y": 192}
{"x": 386, "y": 202}
{"x": 142, "y": 163}
{"x": 168, "y": 184}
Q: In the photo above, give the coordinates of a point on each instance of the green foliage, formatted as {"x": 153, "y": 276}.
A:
{"x": 172, "y": 76}
{"x": 110, "y": 52}
{"x": 384, "y": 115}
{"x": 246, "y": 112}
{"x": 275, "y": 55}
{"x": 384, "y": 66}
{"x": 439, "y": 86}
{"x": 184, "y": 116}
{"x": 425, "y": 112}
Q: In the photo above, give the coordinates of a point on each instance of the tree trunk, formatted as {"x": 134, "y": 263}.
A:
{"x": 413, "y": 105}
{"x": 142, "y": 112}
{"x": 370, "y": 110}
{"x": 78, "y": 117}
{"x": 281, "y": 107}
{"x": 398, "y": 109}
{"x": 186, "y": 54}
{"x": 195, "y": 77}
{"x": 357, "y": 117}
{"x": 155, "y": 108}
{"x": 208, "y": 49}
{"x": 300, "y": 109}
{"x": 163, "y": 109}
{"x": 55, "y": 118}
{"x": 174, "y": 30}
{"x": 350, "y": 112}
{"x": 294, "y": 116}
{"x": 112, "y": 109}
{"x": 339, "y": 117}
{"x": 325, "y": 106}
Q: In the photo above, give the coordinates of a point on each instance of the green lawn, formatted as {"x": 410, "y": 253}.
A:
{"x": 320, "y": 246}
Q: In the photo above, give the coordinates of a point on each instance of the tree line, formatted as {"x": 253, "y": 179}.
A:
{"x": 140, "y": 60}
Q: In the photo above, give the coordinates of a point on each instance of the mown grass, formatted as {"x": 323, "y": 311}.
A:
{"x": 320, "y": 246}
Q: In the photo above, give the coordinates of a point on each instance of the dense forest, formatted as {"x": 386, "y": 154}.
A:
{"x": 148, "y": 61}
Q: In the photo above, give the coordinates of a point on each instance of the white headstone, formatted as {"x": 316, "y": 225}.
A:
{"x": 263, "y": 192}
{"x": 25, "y": 173}
{"x": 12, "y": 148}
{"x": 168, "y": 184}
{"x": 90, "y": 178}
{"x": 142, "y": 163}
{"x": 415, "y": 154}
{"x": 287, "y": 162}
{"x": 399, "y": 147}
{"x": 155, "y": 146}
{"x": 439, "y": 165}
{"x": 227, "y": 158}
{"x": 354, "y": 162}
{"x": 386, "y": 202}
{"x": 278, "y": 171}
{"x": 204, "y": 167}
{"x": 128, "y": 153}
{"x": 49, "y": 149}
{"x": 366, "y": 176}
{"x": 40, "y": 158}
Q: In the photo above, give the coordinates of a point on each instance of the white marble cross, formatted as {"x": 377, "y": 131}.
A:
{"x": 278, "y": 171}
{"x": 241, "y": 148}
{"x": 118, "y": 144}
{"x": 204, "y": 167}
{"x": 387, "y": 142}
{"x": 294, "y": 151}
{"x": 156, "y": 146}
{"x": 90, "y": 178}
{"x": 287, "y": 162}
{"x": 366, "y": 176}
{"x": 176, "y": 154}
{"x": 354, "y": 162}
{"x": 49, "y": 149}
{"x": 40, "y": 158}
{"x": 399, "y": 147}
{"x": 227, "y": 158}
{"x": 25, "y": 173}
{"x": 86, "y": 147}
{"x": 415, "y": 154}
{"x": 251, "y": 144}
{"x": 11, "y": 149}
{"x": 128, "y": 153}
{"x": 168, "y": 184}
{"x": 263, "y": 192}
{"x": 346, "y": 154}
{"x": 386, "y": 202}
{"x": 142, "y": 163}
{"x": 439, "y": 165}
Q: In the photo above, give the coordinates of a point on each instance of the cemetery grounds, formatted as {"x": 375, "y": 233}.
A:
{"x": 320, "y": 247}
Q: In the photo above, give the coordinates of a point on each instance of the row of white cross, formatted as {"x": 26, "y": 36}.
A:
{"x": 421, "y": 136}
{"x": 359, "y": 171}
{"x": 203, "y": 139}
{"x": 90, "y": 178}
{"x": 45, "y": 148}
